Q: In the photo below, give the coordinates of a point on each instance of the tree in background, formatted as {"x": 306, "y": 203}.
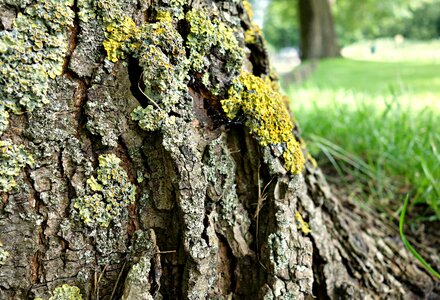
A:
{"x": 422, "y": 21}
{"x": 355, "y": 20}
{"x": 307, "y": 23}
{"x": 317, "y": 31}
{"x": 281, "y": 26}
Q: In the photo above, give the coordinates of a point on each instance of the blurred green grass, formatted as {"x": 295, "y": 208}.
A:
{"x": 377, "y": 78}
{"x": 388, "y": 49}
{"x": 375, "y": 126}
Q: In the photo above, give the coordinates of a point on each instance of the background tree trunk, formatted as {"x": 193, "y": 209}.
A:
{"x": 317, "y": 30}
{"x": 216, "y": 215}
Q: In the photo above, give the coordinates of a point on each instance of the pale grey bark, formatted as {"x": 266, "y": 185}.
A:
{"x": 193, "y": 231}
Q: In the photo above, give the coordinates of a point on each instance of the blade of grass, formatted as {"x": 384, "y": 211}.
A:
{"x": 408, "y": 245}
{"x": 343, "y": 155}
{"x": 429, "y": 176}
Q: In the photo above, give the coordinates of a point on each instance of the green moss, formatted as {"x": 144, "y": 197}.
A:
{"x": 13, "y": 158}
{"x": 266, "y": 116}
{"x": 107, "y": 196}
{"x": 65, "y": 292}
{"x": 3, "y": 255}
{"x": 206, "y": 32}
{"x": 32, "y": 53}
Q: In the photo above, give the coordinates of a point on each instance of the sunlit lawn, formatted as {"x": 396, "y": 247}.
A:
{"x": 378, "y": 125}
{"x": 419, "y": 79}
{"x": 388, "y": 50}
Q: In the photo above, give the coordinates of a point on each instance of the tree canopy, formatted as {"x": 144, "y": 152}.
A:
{"x": 355, "y": 20}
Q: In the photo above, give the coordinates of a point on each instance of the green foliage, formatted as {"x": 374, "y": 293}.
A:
{"x": 356, "y": 20}
{"x": 13, "y": 158}
{"x": 424, "y": 23}
{"x": 415, "y": 19}
{"x": 380, "y": 140}
{"x": 281, "y": 27}
{"x": 107, "y": 196}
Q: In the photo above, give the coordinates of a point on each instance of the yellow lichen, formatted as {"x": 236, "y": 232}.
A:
{"x": 266, "y": 115}
{"x": 164, "y": 16}
{"x": 161, "y": 54}
{"x": 302, "y": 224}
{"x": 4, "y": 119}
{"x": 248, "y": 8}
{"x": 253, "y": 34}
{"x": 116, "y": 37}
{"x": 312, "y": 160}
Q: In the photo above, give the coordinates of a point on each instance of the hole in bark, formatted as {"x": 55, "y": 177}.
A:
{"x": 184, "y": 30}
{"x": 135, "y": 75}
{"x": 259, "y": 59}
{"x": 319, "y": 288}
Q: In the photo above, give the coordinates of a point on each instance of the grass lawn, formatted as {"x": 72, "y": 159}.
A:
{"x": 389, "y": 50}
{"x": 378, "y": 78}
{"x": 377, "y": 124}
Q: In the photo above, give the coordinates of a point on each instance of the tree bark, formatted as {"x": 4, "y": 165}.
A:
{"x": 317, "y": 30}
{"x": 216, "y": 215}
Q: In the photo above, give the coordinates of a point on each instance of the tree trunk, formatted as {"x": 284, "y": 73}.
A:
{"x": 317, "y": 32}
{"x": 192, "y": 206}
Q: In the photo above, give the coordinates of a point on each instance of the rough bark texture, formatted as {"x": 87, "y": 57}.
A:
{"x": 317, "y": 30}
{"x": 215, "y": 215}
